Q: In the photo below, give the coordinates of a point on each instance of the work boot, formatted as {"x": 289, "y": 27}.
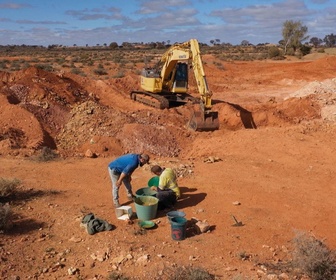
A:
{"x": 130, "y": 197}
{"x": 116, "y": 203}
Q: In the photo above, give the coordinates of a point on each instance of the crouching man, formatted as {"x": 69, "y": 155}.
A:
{"x": 168, "y": 191}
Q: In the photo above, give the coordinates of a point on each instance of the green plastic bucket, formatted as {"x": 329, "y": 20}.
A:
{"x": 178, "y": 228}
{"x": 145, "y": 192}
{"x": 146, "y": 207}
{"x": 154, "y": 181}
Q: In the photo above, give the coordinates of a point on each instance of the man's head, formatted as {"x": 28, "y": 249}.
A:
{"x": 144, "y": 159}
{"x": 156, "y": 169}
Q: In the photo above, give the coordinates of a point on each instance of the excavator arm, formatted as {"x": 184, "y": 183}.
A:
{"x": 202, "y": 118}
{"x": 170, "y": 77}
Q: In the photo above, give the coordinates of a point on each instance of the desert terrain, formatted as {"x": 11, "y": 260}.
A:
{"x": 271, "y": 165}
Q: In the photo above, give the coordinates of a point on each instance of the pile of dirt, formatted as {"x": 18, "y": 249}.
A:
{"x": 324, "y": 92}
{"x": 45, "y": 99}
{"x": 70, "y": 118}
{"x": 20, "y": 131}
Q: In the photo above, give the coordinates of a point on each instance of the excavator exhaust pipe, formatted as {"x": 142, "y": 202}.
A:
{"x": 201, "y": 121}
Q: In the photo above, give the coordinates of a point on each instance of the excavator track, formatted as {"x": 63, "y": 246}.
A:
{"x": 150, "y": 99}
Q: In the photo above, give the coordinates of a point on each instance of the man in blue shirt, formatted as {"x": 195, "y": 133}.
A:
{"x": 121, "y": 170}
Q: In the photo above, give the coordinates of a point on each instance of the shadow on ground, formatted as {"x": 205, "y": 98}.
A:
{"x": 189, "y": 198}
{"x": 24, "y": 226}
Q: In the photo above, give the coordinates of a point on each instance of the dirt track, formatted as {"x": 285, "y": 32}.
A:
{"x": 275, "y": 154}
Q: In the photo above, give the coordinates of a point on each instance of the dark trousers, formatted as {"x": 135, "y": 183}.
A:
{"x": 167, "y": 198}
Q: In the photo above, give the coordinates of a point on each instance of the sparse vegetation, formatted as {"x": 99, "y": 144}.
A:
{"x": 77, "y": 71}
{"x": 5, "y": 217}
{"x": 116, "y": 276}
{"x": 92, "y": 66}
{"x": 120, "y": 74}
{"x": 313, "y": 258}
{"x": 273, "y": 52}
{"x": 46, "y": 67}
{"x": 8, "y": 186}
{"x": 189, "y": 273}
{"x": 46, "y": 154}
{"x": 100, "y": 71}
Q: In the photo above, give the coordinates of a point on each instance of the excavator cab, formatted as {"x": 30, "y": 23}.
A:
{"x": 180, "y": 84}
{"x": 166, "y": 85}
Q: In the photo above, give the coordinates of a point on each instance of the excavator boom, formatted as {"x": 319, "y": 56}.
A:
{"x": 167, "y": 83}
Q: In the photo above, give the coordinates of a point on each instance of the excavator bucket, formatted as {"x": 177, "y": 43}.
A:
{"x": 201, "y": 121}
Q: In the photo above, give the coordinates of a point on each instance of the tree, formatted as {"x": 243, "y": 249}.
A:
{"x": 245, "y": 43}
{"x": 315, "y": 41}
{"x": 113, "y": 45}
{"x": 126, "y": 45}
{"x": 330, "y": 40}
{"x": 293, "y": 33}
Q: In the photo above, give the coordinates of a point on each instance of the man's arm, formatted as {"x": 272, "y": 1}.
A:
{"x": 121, "y": 178}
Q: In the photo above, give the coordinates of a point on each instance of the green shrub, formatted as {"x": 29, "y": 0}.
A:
{"x": 305, "y": 49}
{"x": 273, "y": 52}
{"x": 45, "y": 67}
{"x": 76, "y": 71}
{"x": 100, "y": 72}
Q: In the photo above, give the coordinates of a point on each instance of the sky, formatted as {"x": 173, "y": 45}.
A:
{"x": 99, "y": 22}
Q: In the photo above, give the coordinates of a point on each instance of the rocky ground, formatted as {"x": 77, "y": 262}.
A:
{"x": 270, "y": 166}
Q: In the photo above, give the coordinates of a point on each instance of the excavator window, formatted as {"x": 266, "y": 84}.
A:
{"x": 181, "y": 72}
{"x": 181, "y": 76}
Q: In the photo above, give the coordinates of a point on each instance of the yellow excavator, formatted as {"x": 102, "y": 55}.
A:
{"x": 166, "y": 84}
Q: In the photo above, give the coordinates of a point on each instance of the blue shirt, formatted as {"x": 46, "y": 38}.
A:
{"x": 125, "y": 164}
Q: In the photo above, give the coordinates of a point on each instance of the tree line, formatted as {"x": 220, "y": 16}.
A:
{"x": 294, "y": 34}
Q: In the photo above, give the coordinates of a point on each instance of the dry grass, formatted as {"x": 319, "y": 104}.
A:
{"x": 313, "y": 258}
{"x": 330, "y": 51}
{"x": 8, "y": 186}
{"x": 187, "y": 273}
{"x": 5, "y": 217}
{"x": 116, "y": 276}
{"x": 46, "y": 154}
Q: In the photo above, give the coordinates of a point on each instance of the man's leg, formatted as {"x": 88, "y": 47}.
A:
{"x": 128, "y": 187}
{"x": 167, "y": 199}
{"x": 115, "y": 189}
